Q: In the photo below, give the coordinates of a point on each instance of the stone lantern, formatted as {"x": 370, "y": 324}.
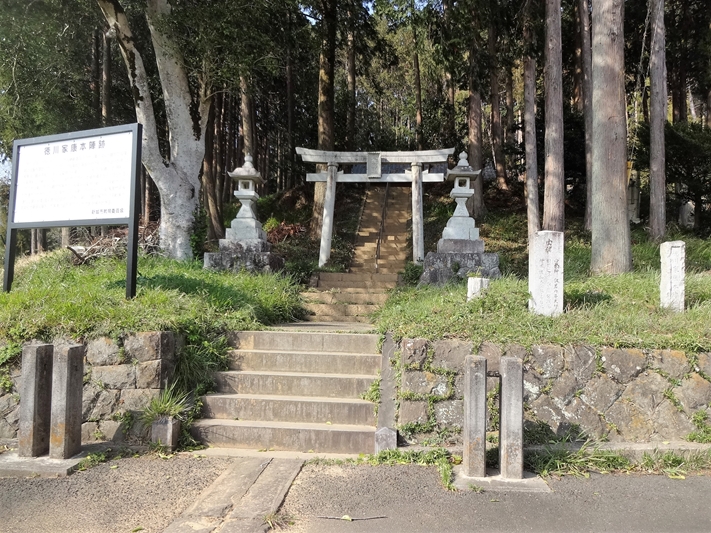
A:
{"x": 460, "y": 251}
{"x": 245, "y": 227}
{"x": 245, "y": 245}
{"x": 461, "y": 233}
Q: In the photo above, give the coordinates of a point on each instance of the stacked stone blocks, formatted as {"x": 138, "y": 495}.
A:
{"x": 619, "y": 394}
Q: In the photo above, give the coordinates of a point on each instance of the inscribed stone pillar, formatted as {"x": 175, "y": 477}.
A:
{"x": 671, "y": 288}
{"x": 67, "y": 381}
{"x": 35, "y": 400}
{"x": 545, "y": 273}
{"x": 474, "y": 456}
{"x": 511, "y": 435}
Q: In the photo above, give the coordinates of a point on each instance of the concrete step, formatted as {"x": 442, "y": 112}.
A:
{"x": 391, "y": 270}
{"x": 338, "y": 318}
{"x": 347, "y": 276}
{"x": 340, "y": 309}
{"x": 269, "y": 408}
{"x": 293, "y": 383}
{"x": 356, "y": 284}
{"x": 372, "y": 297}
{"x": 323, "y": 438}
{"x": 290, "y": 361}
{"x": 302, "y": 341}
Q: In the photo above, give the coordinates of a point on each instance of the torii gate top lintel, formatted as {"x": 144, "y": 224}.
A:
{"x": 373, "y": 174}
{"x": 417, "y": 156}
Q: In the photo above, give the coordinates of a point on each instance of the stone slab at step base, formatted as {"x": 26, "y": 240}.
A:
{"x": 239, "y": 499}
{"x": 326, "y": 438}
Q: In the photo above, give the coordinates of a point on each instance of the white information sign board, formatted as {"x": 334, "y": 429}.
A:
{"x": 84, "y": 178}
{"x": 87, "y": 178}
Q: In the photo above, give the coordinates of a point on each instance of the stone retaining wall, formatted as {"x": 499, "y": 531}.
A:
{"x": 617, "y": 394}
{"x": 119, "y": 382}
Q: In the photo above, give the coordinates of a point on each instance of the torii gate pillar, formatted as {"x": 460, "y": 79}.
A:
{"x": 418, "y": 231}
{"x": 328, "y": 208}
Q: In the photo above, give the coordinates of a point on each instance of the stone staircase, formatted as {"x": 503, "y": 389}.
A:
{"x": 297, "y": 391}
{"x": 394, "y": 248}
{"x": 353, "y": 296}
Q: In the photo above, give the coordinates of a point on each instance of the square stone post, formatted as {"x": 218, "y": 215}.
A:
{"x": 418, "y": 237}
{"x": 67, "y": 382}
{"x": 511, "y": 435}
{"x": 475, "y": 287}
{"x": 329, "y": 203}
{"x": 672, "y": 290}
{"x": 545, "y": 273}
{"x": 35, "y": 400}
{"x": 474, "y": 456}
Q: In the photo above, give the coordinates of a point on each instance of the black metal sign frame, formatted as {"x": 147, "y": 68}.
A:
{"x": 103, "y": 217}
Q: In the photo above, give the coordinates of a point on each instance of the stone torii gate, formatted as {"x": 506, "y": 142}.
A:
{"x": 373, "y": 161}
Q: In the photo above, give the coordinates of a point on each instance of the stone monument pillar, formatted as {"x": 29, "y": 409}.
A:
{"x": 460, "y": 251}
{"x": 245, "y": 244}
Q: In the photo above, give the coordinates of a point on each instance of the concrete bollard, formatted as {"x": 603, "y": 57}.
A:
{"x": 672, "y": 290}
{"x": 511, "y": 435}
{"x": 35, "y": 400}
{"x": 385, "y": 439}
{"x": 475, "y": 287}
{"x": 474, "y": 457}
{"x": 67, "y": 381}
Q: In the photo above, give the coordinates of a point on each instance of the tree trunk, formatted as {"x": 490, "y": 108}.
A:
{"x": 554, "y": 196}
{"x": 208, "y": 177}
{"x": 177, "y": 176}
{"x": 509, "y": 130}
{"x": 327, "y": 59}
{"x": 586, "y": 57}
{"x": 418, "y": 95}
{"x": 351, "y": 85}
{"x": 96, "y": 75}
{"x": 106, "y": 79}
{"x": 611, "y": 252}
{"x": 219, "y": 172}
{"x": 578, "y": 75}
{"x": 475, "y": 204}
{"x": 658, "y": 119}
{"x": 529, "y": 105}
{"x": 248, "y": 133}
{"x": 497, "y": 140}
{"x": 290, "y": 174}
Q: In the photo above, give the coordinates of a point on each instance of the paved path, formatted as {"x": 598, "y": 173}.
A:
{"x": 411, "y": 499}
{"x": 202, "y": 492}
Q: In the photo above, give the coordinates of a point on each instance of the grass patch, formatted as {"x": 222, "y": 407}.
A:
{"x": 439, "y": 457}
{"x": 52, "y": 298}
{"x": 620, "y": 311}
{"x": 703, "y": 429}
{"x": 560, "y": 461}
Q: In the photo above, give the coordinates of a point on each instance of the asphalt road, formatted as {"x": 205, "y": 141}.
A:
{"x": 411, "y": 499}
{"x": 147, "y": 493}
